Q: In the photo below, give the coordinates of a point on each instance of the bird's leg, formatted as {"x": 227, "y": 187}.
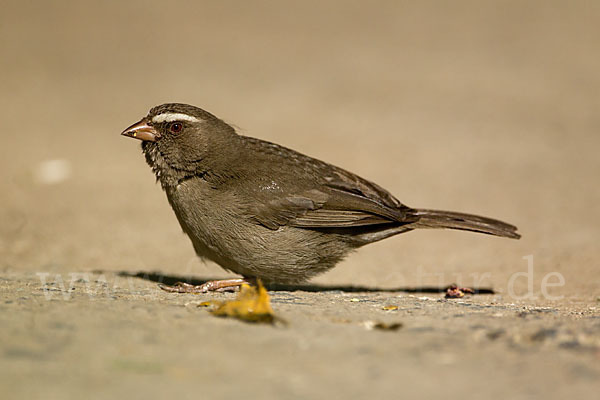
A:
{"x": 224, "y": 285}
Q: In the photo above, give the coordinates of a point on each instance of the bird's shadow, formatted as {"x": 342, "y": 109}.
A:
{"x": 173, "y": 279}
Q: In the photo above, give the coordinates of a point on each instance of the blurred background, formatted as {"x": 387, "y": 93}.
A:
{"x": 483, "y": 107}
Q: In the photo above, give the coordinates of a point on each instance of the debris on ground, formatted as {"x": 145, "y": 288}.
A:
{"x": 456, "y": 292}
{"x": 252, "y": 304}
{"x": 382, "y": 326}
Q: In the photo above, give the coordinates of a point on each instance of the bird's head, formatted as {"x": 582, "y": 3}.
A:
{"x": 179, "y": 140}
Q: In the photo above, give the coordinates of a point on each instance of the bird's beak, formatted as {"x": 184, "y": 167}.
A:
{"x": 142, "y": 131}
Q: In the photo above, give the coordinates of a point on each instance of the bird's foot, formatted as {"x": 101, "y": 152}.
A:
{"x": 456, "y": 292}
{"x": 226, "y": 285}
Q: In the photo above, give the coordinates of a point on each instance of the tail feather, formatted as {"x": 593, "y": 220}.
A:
{"x": 467, "y": 222}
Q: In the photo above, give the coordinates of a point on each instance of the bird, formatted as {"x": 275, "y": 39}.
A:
{"x": 264, "y": 211}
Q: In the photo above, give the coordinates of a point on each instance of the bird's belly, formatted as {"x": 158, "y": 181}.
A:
{"x": 226, "y": 236}
{"x": 210, "y": 228}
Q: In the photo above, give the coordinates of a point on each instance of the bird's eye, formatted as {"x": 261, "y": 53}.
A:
{"x": 176, "y": 127}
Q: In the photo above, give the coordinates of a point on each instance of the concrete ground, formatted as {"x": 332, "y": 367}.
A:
{"x": 482, "y": 107}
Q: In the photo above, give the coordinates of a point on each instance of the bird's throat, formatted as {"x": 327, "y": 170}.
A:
{"x": 165, "y": 174}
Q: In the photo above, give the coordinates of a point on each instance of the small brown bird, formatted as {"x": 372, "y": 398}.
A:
{"x": 264, "y": 211}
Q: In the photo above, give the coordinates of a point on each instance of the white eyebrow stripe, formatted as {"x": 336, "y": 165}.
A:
{"x": 170, "y": 117}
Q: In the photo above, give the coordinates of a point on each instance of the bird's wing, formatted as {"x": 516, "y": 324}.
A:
{"x": 336, "y": 203}
{"x": 314, "y": 194}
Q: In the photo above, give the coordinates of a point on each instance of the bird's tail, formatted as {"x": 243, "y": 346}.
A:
{"x": 466, "y": 222}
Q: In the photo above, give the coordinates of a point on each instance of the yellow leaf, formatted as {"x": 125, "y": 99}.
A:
{"x": 251, "y": 305}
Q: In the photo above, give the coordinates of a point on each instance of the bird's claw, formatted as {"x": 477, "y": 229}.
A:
{"x": 226, "y": 285}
